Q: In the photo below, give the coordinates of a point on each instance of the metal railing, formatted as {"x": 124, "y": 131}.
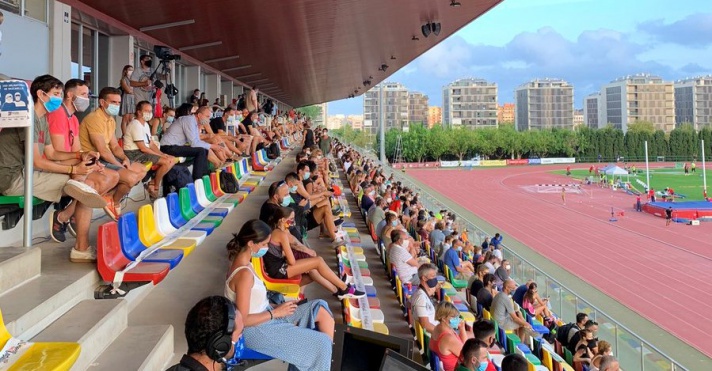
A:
{"x": 631, "y": 350}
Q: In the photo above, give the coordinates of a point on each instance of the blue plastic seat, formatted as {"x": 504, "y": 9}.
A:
{"x": 132, "y": 246}
{"x": 177, "y": 219}
{"x": 194, "y": 204}
{"x": 220, "y": 212}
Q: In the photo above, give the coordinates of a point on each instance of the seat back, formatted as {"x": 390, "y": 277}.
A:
{"x": 186, "y": 209}
{"x": 200, "y": 193}
{"x": 4, "y": 334}
{"x": 215, "y": 183}
{"x": 147, "y": 231}
{"x": 262, "y": 157}
{"x": 110, "y": 258}
{"x": 194, "y": 198}
{"x": 175, "y": 214}
{"x": 128, "y": 235}
{"x": 209, "y": 194}
{"x": 163, "y": 220}
{"x": 244, "y": 168}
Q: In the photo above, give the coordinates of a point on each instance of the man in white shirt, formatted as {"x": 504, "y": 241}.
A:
{"x": 406, "y": 264}
{"x": 422, "y": 298}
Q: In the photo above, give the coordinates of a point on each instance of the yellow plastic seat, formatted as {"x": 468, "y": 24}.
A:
{"x": 48, "y": 356}
{"x": 358, "y": 257}
{"x": 149, "y": 234}
{"x": 356, "y": 250}
{"x": 468, "y": 317}
{"x": 486, "y": 314}
{"x": 353, "y": 315}
{"x": 148, "y": 165}
{"x": 289, "y": 290}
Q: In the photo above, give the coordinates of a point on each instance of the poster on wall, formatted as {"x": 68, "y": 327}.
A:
{"x": 15, "y": 107}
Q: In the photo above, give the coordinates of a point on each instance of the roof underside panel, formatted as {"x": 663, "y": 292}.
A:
{"x": 312, "y": 51}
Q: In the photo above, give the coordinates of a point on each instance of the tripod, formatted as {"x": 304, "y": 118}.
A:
{"x": 166, "y": 74}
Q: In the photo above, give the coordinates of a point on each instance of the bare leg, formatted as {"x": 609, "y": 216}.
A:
{"x": 314, "y": 276}
{"x": 82, "y": 215}
{"x": 306, "y": 265}
{"x": 325, "y": 323}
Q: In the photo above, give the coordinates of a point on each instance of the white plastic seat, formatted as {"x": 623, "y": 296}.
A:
{"x": 227, "y": 205}
{"x": 200, "y": 192}
{"x": 164, "y": 226}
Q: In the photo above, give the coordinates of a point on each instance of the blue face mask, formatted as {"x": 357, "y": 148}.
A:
{"x": 455, "y": 322}
{"x": 260, "y": 253}
{"x": 286, "y": 201}
{"x": 394, "y": 223}
{"x": 293, "y": 189}
{"x": 459, "y": 248}
{"x": 53, "y": 103}
{"x": 306, "y": 175}
{"x": 483, "y": 366}
{"x": 112, "y": 110}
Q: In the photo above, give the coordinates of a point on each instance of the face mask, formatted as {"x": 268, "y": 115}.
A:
{"x": 129, "y": 72}
{"x": 406, "y": 243}
{"x": 371, "y": 193}
{"x": 293, "y": 189}
{"x": 53, "y": 103}
{"x": 238, "y": 117}
{"x": 306, "y": 175}
{"x": 432, "y": 282}
{"x": 459, "y": 248}
{"x": 446, "y": 246}
{"x": 389, "y": 200}
{"x": 483, "y": 366}
{"x": 112, "y": 110}
{"x": 170, "y": 119}
{"x": 148, "y": 63}
{"x": 394, "y": 223}
{"x": 319, "y": 157}
{"x": 260, "y": 253}
{"x": 286, "y": 201}
{"x": 455, "y": 322}
{"x": 147, "y": 116}
{"x": 204, "y": 121}
{"x": 231, "y": 119}
{"x": 506, "y": 267}
{"x": 81, "y": 104}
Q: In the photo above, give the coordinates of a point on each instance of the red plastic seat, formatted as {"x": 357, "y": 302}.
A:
{"x": 214, "y": 185}
{"x": 256, "y": 163}
{"x": 290, "y": 280}
{"x": 373, "y": 303}
{"x": 110, "y": 259}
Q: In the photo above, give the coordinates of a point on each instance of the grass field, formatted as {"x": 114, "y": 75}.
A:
{"x": 690, "y": 186}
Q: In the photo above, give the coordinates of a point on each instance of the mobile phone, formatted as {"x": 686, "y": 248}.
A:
{"x": 302, "y": 301}
{"x": 91, "y": 161}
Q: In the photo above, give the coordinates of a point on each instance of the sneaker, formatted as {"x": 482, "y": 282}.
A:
{"x": 87, "y": 256}
{"x": 338, "y": 222}
{"x": 57, "y": 229}
{"x": 88, "y": 195}
{"x": 72, "y": 226}
{"x": 110, "y": 209}
{"x": 350, "y": 293}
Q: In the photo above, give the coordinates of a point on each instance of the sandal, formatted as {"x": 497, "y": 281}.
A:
{"x": 152, "y": 191}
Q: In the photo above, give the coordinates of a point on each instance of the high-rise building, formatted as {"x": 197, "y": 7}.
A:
{"x": 639, "y": 98}
{"x": 470, "y": 102}
{"x": 335, "y": 121}
{"x": 693, "y": 101}
{"x": 434, "y": 116}
{"x": 592, "y": 107}
{"x": 356, "y": 121}
{"x": 393, "y": 106}
{"x": 578, "y": 118}
{"x": 417, "y": 108}
{"x": 505, "y": 113}
{"x": 544, "y": 104}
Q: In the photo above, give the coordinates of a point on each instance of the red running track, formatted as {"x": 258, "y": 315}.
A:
{"x": 663, "y": 273}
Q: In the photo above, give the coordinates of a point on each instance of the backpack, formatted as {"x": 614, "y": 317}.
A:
{"x": 175, "y": 179}
{"x": 273, "y": 151}
{"x": 228, "y": 183}
{"x": 562, "y": 334}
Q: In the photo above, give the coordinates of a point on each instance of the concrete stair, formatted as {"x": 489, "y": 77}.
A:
{"x": 138, "y": 348}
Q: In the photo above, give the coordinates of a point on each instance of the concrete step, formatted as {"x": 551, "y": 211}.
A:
{"x": 94, "y": 324}
{"x": 138, "y": 348}
{"x": 17, "y": 266}
{"x": 32, "y": 306}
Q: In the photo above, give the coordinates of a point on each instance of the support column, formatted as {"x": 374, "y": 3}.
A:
{"x": 212, "y": 87}
{"x": 192, "y": 80}
{"x": 60, "y": 40}
{"x": 227, "y": 90}
{"x": 121, "y": 53}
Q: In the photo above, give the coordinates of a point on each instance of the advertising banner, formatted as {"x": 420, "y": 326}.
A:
{"x": 449, "y": 163}
{"x": 493, "y": 163}
{"x": 518, "y": 162}
{"x": 470, "y": 163}
{"x": 534, "y": 161}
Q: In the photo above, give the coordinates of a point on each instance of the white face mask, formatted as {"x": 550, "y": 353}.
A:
{"x": 81, "y": 104}
{"x": 147, "y": 116}
{"x": 406, "y": 243}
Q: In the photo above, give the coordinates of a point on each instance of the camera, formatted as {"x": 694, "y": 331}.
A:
{"x": 164, "y": 53}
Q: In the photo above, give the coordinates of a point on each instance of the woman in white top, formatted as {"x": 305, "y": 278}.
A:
{"x": 140, "y": 147}
{"x": 286, "y": 331}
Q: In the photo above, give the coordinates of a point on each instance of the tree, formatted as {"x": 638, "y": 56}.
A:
{"x": 641, "y": 127}
{"x": 310, "y": 111}
{"x": 413, "y": 143}
{"x": 437, "y": 142}
{"x": 461, "y": 141}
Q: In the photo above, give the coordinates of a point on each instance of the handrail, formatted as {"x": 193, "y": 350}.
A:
{"x": 438, "y": 205}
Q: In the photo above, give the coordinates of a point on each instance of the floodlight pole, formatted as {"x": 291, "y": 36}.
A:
{"x": 704, "y": 171}
{"x": 382, "y": 125}
{"x": 647, "y": 167}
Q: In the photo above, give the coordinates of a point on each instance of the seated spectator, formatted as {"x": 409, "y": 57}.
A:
{"x": 212, "y": 327}
{"x": 65, "y": 149}
{"x": 496, "y": 241}
{"x": 97, "y": 133}
{"x": 406, "y": 264}
{"x": 484, "y": 330}
{"x": 305, "y": 332}
{"x": 487, "y": 292}
{"x": 504, "y": 313}
{"x": 519, "y": 293}
{"x": 449, "y": 336}
{"x": 280, "y": 261}
{"x": 182, "y": 139}
{"x": 50, "y": 179}
{"x": 609, "y": 363}
{"x": 160, "y": 124}
{"x": 473, "y": 357}
{"x": 604, "y": 349}
{"x": 317, "y": 207}
{"x": 437, "y": 237}
{"x": 238, "y": 143}
{"x": 589, "y": 330}
{"x": 423, "y": 298}
{"x": 535, "y": 305}
{"x": 140, "y": 147}
{"x": 502, "y": 272}
{"x": 515, "y": 362}
{"x": 582, "y": 353}
{"x": 461, "y": 270}
{"x": 485, "y": 244}
{"x": 445, "y": 247}
{"x": 478, "y": 282}
{"x": 391, "y": 222}
{"x": 368, "y": 196}
{"x": 377, "y": 211}
{"x": 491, "y": 261}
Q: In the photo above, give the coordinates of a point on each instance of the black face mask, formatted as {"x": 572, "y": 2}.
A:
{"x": 148, "y": 63}
{"x": 432, "y": 282}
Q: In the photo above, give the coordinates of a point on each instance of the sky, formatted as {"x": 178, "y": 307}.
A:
{"x": 585, "y": 42}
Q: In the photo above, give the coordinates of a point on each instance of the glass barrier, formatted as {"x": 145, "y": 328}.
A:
{"x": 632, "y": 351}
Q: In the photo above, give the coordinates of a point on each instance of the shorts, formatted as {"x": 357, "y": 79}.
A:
{"x": 138, "y": 156}
{"x": 276, "y": 267}
{"x": 111, "y": 166}
{"x": 311, "y": 222}
{"x": 45, "y": 186}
